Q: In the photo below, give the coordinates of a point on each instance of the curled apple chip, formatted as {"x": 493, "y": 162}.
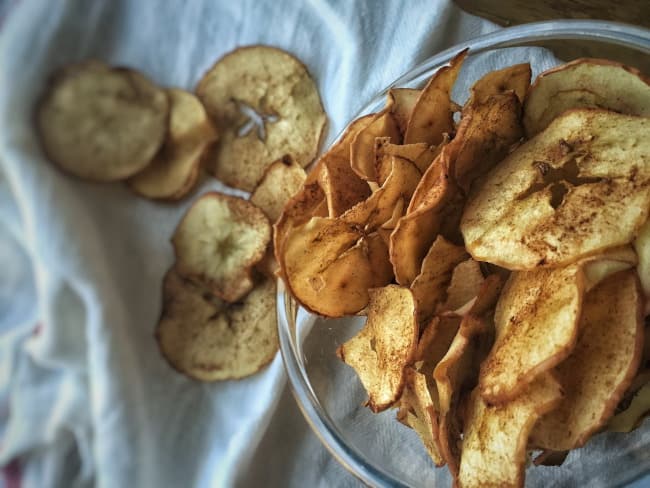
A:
{"x": 273, "y": 88}
{"x": 465, "y": 284}
{"x": 362, "y": 154}
{"x": 601, "y": 366}
{"x": 208, "y": 339}
{"x": 381, "y": 351}
{"x": 101, "y": 123}
{"x": 385, "y": 150}
{"x": 421, "y": 412}
{"x": 642, "y": 248}
{"x": 536, "y": 323}
{"x": 515, "y": 78}
{"x": 218, "y": 242}
{"x": 430, "y": 286}
{"x": 281, "y": 180}
{"x": 175, "y": 169}
{"x": 401, "y": 102}
{"x": 342, "y": 187}
{"x": 579, "y": 187}
{"x": 432, "y": 115}
{"x": 495, "y": 438}
{"x": 585, "y": 83}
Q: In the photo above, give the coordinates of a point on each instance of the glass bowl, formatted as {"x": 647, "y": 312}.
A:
{"x": 375, "y": 447}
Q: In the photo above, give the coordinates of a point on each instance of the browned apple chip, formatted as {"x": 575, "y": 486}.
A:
{"x": 101, "y": 123}
{"x": 219, "y": 241}
{"x": 272, "y": 86}
{"x": 600, "y": 368}
{"x": 175, "y": 169}
{"x": 585, "y": 83}
{"x": 495, "y": 437}
{"x": 380, "y": 352}
{"x": 362, "y": 154}
{"x": 514, "y": 78}
{"x": 401, "y": 102}
{"x": 432, "y": 115}
{"x": 209, "y": 339}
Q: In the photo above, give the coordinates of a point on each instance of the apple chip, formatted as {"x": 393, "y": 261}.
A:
{"x": 385, "y": 150}
{"x": 401, "y": 102}
{"x": 600, "y": 368}
{"x": 268, "y": 86}
{"x": 585, "y": 83}
{"x": 432, "y": 115}
{"x": 536, "y": 322}
{"x": 208, "y": 339}
{"x": 430, "y": 286}
{"x": 421, "y": 414}
{"x": 342, "y": 187}
{"x": 465, "y": 284}
{"x": 218, "y": 241}
{"x": 577, "y": 188}
{"x": 455, "y": 371}
{"x": 514, "y": 78}
{"x": 175, "y": 169}
{"x": 281, "y": 180}
{"x": 495, "y": 437}
{"x": 598, "y": 267}
{"x": 101, "y": 123}
{"x": 362, "y": 154}
{"x": 380, "y": 352}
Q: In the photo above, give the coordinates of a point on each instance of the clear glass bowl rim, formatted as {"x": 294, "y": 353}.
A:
{"x": 613, "y": 33}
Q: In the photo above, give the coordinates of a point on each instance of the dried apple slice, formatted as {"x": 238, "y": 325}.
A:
{"x": 362, "y": 154}
{"x": 630, "y": 418}
{"x": 401, "y": 102}
{"x": 175, "y": 169}
{"x": 218, "y": 241}
{"x": 514, "y": 78}
{"x": 642, "y": 248}
{"x": 380, "y": 352}
{"x": 585, "y": 83}
{"x": 600, "y": 368}
{"x": 536, "y": 322}
{"x": 209, "y": 339}
{"x": 432, "y": 115}
{"x": 421, "y": 412}
{"x": 465, "y": 284}
{"x": 342, "y": 187}
{"x": 495, "y": 437}
{"x": 101, "y": 123}
{"x": 281, "y": 180}
{"x": 577, "y": 188}
{"x": 276, "y": 86}
{"x": 384, "y": 150}
{"x": 430, "y": 286}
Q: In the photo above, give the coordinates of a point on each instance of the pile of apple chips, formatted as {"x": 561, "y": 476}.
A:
{"x": 501, "y": 261}
{"x": 103, "y": 124}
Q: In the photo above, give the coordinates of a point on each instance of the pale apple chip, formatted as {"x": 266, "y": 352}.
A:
{"x": 598, "y": 267}
{"x": 175, "y": 169}
{"x": 362, "y": 147}
{"x": 274, "y": 87}
{"x": 495, "y": 437}
{"x": 401, "y": 102}
{"x": 385, "y": 346}
{"x": 281, "y": 180}
{"x": 218, "y": 242}
{"x": 421, "y": 415}
{"x": 642, "y": 248}
{"x": 579, "y": 187}
{"x": 601, "y": 366}
{"x": 457, "y": 371}
{"x": 585, "y": 83}
{"x": 536, "y": 322}
{"x": 208, "y": 339}
{"x": 514, "y": 78}
{"x": 432, "y": 115}
{"x": 430, "y": 286}
{"x": 101, "y": 123}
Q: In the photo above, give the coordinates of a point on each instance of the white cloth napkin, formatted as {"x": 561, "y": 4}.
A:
{"x": 85, "y": 398}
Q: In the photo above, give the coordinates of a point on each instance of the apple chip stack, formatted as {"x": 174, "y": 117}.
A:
{"x": 500, "y": 254}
